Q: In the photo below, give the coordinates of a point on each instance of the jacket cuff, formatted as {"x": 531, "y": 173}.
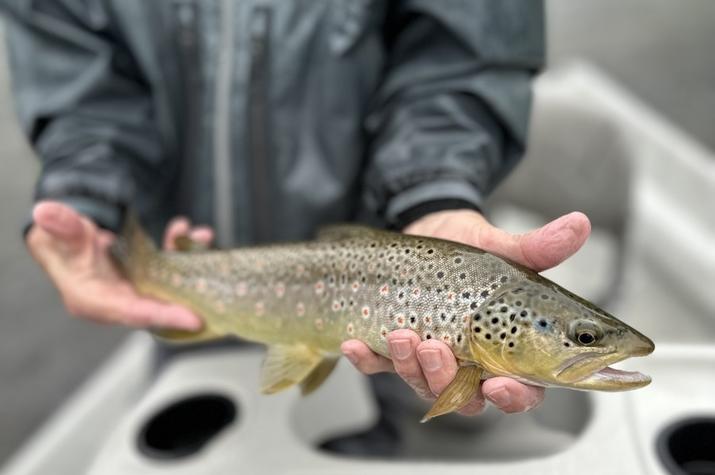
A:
{"x": 105, "y": 215}
{"x": 420, "y": 200}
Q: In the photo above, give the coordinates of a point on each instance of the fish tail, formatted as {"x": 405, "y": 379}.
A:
{"x": 133, "y": 248}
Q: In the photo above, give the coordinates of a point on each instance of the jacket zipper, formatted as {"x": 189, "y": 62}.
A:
{"x": 186, "y": 15}
{"x": 222, "y": 139}
{"x": 258, "y": 122}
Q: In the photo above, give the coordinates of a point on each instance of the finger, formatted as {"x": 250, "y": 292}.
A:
{"x": 62, "y": 222}
{"x": 203, "y": 235}
{"x": 553, "y": 243}
{"x": 512, "y": 396}
{"x": 403, "y": 345}
{"x": 541, "y": 248}
{"x": 364, "y": 359}
{"x": 438, "y": 364}
{"x": 474, "y": 407}
{"x": 178, "y": 226}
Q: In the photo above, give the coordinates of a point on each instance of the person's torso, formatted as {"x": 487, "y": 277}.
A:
{"x": 261, "y": 105}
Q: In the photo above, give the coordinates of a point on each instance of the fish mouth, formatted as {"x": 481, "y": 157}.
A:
{"x": 592, "y": 371}
{"x": 612, "y": 379}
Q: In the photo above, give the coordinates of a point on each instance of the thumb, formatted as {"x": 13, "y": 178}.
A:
{"x": 541, "y": 248}
{"x": 63, "y": 223}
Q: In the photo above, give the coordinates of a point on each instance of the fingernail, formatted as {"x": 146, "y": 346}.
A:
{"x": 400, "y": 348}
{"x": 431, "y": 360}
{"x": 352, "y": 357}
{"x": 500, "y": 397}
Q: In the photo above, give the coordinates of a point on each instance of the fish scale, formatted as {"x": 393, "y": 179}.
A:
{"x": 304, "y": 299}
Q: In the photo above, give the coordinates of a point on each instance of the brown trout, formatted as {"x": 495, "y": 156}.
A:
{"x": 304, "y": 299}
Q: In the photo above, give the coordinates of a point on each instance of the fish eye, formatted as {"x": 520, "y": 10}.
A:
{"x": 585, "y": 337}
{"x": 585, "y": 332}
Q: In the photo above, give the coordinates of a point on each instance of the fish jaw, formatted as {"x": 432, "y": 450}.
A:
{"x": 611, "y": 379}
{"x": 601, "y": 377}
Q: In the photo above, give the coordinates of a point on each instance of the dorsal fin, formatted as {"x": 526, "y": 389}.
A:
{"x": 336, "y": 232}
{"x": 184, "y": 243}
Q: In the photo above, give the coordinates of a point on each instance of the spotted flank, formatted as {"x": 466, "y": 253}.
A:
{"x": 304, "y": 299}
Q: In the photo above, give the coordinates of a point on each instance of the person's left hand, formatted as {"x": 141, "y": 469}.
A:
{"x": 429, "y": 366}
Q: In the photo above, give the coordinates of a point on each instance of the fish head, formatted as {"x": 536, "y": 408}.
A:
{"x": 541, "y": 334}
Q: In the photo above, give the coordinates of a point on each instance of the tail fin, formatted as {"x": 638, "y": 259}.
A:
{"x": 133, "y": 247}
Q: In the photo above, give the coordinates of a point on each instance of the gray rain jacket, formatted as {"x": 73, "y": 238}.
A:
{"x": 266, "y": 118}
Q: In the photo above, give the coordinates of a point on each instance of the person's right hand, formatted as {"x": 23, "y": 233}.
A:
{"x": 75, "y": 254}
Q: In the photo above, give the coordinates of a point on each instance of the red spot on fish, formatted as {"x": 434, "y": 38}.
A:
{"x": 280, "y": 290}
{"x": 384, "y": 290}
{"x": 355, "y": 286}
{"x": 366, "y": 312}
{"x": 319, "y": 287}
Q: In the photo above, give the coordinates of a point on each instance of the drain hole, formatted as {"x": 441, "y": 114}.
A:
{"x": 185, "y": 426}
{"x": 687, "y": 447}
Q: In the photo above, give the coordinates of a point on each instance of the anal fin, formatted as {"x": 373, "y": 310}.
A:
{"x": 458, "y": 393}
{"x": 287, "y": 365}
{"x": 318, "y": 375}
{"x": 186, "y": 337}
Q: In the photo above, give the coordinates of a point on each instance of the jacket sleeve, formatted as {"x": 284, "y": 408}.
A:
{"x": 450, "y": 117}
{"x": 84, "y": 105}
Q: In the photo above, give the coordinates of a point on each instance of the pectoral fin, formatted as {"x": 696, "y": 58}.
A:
{"x": 318, "y": 376}
{"x": 287, "y": 365}
{"x": 464, "y": 386}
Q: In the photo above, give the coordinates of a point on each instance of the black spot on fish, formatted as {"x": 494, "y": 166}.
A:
{"x": 466, "y": 295}
{"x": 485, "y": 293}
{"x": 502, "y": 336}
{"x": 503, "y": 279}
{"x": 518, "y": 303}
{"x": 489, "y": 312}
{"x": 443, "y": 316}
{"x": 412, "y": 319}
{"x": 454, "y": 317}
{"x": 407, "y": 251}
{"x": 440, "y": 274}
{"x": 488, "y": 336}
{"x": 430, "y": 251}
{"x": 477, "y": 329}
{"x": 459, "y": 338}
{"x": 503, "y": 309}
{"x": 428, "y": 336}
{"x": 542, "y": 323}
{"x": 400, "y": 295}
{"x": 512, "y": 317}
{"x": 511, "y": 344}
{"x": 473, "y": 305}
{"x": 544, "y": 297}
{"x": 567, "y": 344}
{"x": 523, "y": 313}
{"x": 513, "y": 330}
{"x": 494, "y": 286}
{"x": 495, "y": 320}
{"x": 462, "y": 276}
{"x": 477, "y": 317}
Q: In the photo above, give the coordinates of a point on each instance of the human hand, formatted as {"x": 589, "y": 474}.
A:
{"x": 75, "y": 254}
{"x": 429, "y": 366}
